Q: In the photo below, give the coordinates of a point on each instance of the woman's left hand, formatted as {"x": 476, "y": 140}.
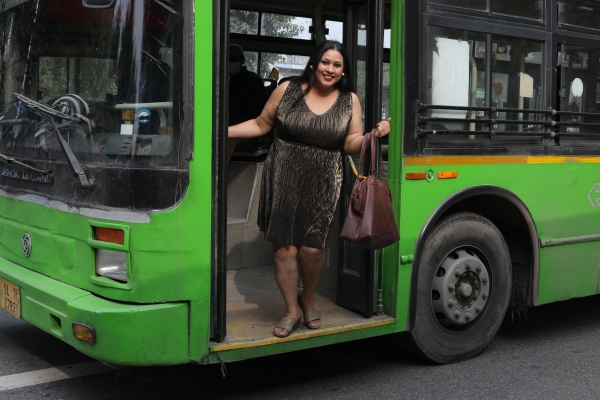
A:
{"x": 383, "y": 128}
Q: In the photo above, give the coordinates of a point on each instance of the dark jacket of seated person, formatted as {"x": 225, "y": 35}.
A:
{"x": 247, "y": 97}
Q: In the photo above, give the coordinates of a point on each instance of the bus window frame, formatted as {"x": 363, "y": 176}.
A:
{"x": 416, "y": 73}
{"x": 271, "y": 44}
{"x": 418, "y": 146}
{"x": 548, "y": 6}
{"x": 570, "y": 40}
{"x": 568, "y": 28}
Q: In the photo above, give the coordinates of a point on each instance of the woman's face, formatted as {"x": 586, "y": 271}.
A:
{"x": 330, "y": 69}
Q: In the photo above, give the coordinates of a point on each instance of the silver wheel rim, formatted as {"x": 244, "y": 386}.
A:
{"x": 461, "y": 289}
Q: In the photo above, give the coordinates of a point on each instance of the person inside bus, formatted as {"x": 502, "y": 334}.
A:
{"x": 316, "y": 116}
{"x": 247, "y": 95}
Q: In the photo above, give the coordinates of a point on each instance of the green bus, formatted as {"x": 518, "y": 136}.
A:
{"x": 127, "y": 233}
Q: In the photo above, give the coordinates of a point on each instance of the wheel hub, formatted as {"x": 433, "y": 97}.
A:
{"x": 460, "y": 289}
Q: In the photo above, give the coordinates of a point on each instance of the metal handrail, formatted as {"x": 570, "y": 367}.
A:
{"x": 549, "y": 131}
{"x": 522, "y": 111}
{"x": 423, "y": 132}
{"x": 574, "y": 124}
{"x": 521, "y": 122}
{"x": 579, "y": 114}
{"x": 422, "y": 119}
{"x": 423, "y": 107}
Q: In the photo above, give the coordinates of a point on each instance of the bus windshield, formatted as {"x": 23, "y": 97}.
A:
{"x": 117, "y": 70}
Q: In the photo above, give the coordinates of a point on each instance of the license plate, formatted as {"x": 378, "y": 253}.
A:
{"x": 10, "y": 298}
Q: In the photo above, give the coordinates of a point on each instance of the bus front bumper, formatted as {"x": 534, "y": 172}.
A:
{"x": 126, "y": 334}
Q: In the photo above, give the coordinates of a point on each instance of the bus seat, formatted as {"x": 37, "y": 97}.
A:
{"x": 270, "y": 85}
{"x": 251, "y": 151}
{"x": 287, "y": 78}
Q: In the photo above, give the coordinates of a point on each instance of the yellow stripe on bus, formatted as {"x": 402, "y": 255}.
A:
{"x": 486, "y": 160}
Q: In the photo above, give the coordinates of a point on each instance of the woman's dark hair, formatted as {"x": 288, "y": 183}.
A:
{"x": 308, "y": 75}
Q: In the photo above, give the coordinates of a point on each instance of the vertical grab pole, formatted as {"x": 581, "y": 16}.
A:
{"x": 373, "y": 113}
{"x": 219, "y": 183}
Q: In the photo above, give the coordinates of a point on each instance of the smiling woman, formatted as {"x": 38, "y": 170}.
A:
{"x": 315, "y": 116}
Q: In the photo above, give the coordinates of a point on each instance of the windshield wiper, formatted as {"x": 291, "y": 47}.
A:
{"x": 9, "y": 161}
{"x": 49, "y": 114}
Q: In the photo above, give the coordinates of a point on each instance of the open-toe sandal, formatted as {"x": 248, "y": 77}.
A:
{"x": 288, "y": 324}
{"x": 310, "y": 313}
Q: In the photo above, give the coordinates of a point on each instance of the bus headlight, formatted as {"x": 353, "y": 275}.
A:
{"x": 111, "y": 264}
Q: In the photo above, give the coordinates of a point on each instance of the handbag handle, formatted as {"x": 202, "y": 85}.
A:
{"x": 371, "y": 136}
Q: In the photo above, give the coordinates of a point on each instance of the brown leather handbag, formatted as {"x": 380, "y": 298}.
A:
{"x": 370, "y": 221}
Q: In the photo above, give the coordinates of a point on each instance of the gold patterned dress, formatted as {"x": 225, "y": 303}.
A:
{"x": 302, "y": 177}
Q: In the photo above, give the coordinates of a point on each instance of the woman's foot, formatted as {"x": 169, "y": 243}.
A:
{"x": 312, "y": 316}
{"x": 286, "y": 326}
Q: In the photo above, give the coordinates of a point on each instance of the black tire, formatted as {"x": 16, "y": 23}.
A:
{"x": 477, "y": 283}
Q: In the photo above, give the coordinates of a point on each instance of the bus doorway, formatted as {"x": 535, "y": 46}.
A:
{"x": 277, "y": 37}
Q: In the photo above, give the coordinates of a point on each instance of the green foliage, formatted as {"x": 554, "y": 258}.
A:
{"x": 98, "y": 77}
{"x": 280, "y": 26}
{"x": 53, "y": 76}
{"x": 245, "y": 22}
{"x": 274, "y": 25}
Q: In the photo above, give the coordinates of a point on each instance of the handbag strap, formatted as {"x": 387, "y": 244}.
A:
{"x": 371, "y": 137}
{"x": 363, "y": 150}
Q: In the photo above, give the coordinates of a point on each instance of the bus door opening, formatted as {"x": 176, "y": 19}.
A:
{"x": 272, "y": 42}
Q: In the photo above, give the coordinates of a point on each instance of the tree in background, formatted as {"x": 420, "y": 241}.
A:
{"x": 274, "y": 25}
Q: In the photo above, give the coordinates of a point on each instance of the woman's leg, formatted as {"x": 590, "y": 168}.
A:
{"x": 312, "y": 262}
{"x": 286, "y": 276}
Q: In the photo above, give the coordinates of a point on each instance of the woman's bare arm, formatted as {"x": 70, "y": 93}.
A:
{"x": 264, "y": 122}
{"x": 355, "y": 135}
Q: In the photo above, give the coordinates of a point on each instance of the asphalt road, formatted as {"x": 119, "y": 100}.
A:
{"x": 553, "y": 354}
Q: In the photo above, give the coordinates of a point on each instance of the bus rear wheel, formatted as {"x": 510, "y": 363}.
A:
{"x": 463, "y": 289}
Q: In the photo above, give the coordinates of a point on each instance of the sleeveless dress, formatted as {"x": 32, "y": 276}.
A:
{"x": 302, "y": 177}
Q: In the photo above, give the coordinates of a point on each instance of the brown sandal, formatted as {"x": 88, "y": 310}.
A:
{"x": 288, "y": 324}
{"x": 310, "y": 313}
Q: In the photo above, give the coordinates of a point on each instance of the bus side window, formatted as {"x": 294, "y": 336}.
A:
{"x": 578, "y": 92}
{"x": 515, "y": 84}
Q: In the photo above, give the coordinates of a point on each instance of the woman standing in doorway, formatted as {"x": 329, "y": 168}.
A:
{"x": 315, "y": 117}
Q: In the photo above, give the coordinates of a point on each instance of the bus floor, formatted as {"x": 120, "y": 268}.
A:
{"x": 254, "y": 306}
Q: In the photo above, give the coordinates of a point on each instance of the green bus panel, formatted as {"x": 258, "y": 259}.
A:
{"x": 162, "y": 316}
{"x": 126, "y": 334}
{"x": 556, "y": 190}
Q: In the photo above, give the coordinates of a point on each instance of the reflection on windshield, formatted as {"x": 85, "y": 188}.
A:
{"x": 116, "y": 69}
